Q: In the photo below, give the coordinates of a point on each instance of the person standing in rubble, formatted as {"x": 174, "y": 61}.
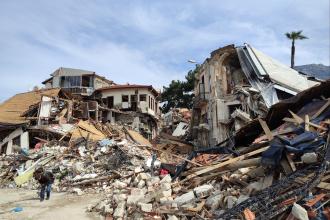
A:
{"x": 45, "y": 179}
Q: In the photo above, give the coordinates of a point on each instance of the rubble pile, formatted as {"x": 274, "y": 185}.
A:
{"x": 176, "y": 122}
{"x": 278, "y": 171}
{"x": 274, "y": 167}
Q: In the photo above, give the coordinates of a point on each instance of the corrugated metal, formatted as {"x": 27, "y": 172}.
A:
{"x": 278, "y": 72}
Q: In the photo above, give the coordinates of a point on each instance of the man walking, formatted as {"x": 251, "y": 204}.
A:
{"x": 45, "y": 179}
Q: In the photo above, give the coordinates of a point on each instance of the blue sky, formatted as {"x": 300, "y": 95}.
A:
{"x": 147, "y": 42}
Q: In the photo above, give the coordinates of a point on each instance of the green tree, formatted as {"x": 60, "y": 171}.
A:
{"x": 179, "y": 94}
{"x": 294, "y": 36}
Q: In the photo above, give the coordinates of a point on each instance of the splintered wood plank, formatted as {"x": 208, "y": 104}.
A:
{"x": 306, "y": 123}
{"x": 296, "y": 117}
{"x": 291, "y": 163}
{"x": 326, "y": 105}
{"x": 299, "y": 120}
{"x": 230, "y": 161}
{"x": 266, "y": 129}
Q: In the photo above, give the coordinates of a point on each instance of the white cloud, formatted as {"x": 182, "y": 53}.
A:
{"x": 147, "y": 42}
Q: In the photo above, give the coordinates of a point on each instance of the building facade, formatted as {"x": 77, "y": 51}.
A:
{"x": 136, "y": 105}
{"x": 77, "y": 81}
{"x": 236, "y": 85}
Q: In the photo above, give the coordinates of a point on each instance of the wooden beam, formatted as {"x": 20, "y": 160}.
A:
{"x": 266, "y": 129}
{"x": 174, "y": 155}
{"x": 306, "y": 123}
{"x": 296, "y": 117}
{"x": 291, "y": 163}
{"x": 326, "y": 105}
{"x": 300, "y": 120}
{"x": 230, "y": 161}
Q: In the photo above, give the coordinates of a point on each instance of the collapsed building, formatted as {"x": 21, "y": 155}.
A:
{"x": 177, "y": 122}
{"x": 236, "y": 85}
{"x": 136, "y": 105}
{"x": 72, "y": 95}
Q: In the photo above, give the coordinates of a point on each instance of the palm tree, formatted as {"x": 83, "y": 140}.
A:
{"x": 294, "y": 36}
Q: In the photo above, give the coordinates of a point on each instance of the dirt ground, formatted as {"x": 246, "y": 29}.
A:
{"x": 60, "y": 206}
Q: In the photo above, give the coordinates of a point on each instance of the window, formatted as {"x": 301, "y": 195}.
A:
{"x": 110, "y": 102}
{"x": 17, "y": 140}
{"x": 152, "y": 103}
{"x": 4, "y": 148}
{"x": 70, "y": 81}
{"x": 133, "y": 98}
{"x": 86, "y": 81}
{"x": 143, "y": 98}
{"x": 149, "y": 101}
{"x": 124, "y": 98}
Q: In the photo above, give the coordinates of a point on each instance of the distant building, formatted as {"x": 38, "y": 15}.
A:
{"x": 132, "y": 104}
{"x": 142, "y": 98}
{"x": 76, "y": 81}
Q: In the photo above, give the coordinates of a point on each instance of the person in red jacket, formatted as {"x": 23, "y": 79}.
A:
{"x": 45, "y": 179}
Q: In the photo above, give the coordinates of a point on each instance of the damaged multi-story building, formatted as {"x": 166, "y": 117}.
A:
{"x": 236, "y": 85}
{"x": 136, "y": 105}
{"x": 71, "y": 96}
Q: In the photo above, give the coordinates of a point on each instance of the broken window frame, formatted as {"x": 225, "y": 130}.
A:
{"x": 125, "y": 98}
{"x": 143, "y": 97}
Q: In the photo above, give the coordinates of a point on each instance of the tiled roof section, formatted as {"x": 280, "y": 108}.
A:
{"x": 12, "y": 109}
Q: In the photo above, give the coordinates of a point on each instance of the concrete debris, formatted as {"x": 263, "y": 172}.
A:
{"x": 309, "y": 158}
{"x": 276, "y": 160}
{"x": 299, "y": 212}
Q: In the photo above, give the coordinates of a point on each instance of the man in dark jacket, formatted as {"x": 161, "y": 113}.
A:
{"x": 46, "y": 179}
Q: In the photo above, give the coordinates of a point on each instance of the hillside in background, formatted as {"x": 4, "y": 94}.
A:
{"x": 317, "y": 70}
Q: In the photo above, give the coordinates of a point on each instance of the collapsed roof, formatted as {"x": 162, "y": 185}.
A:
{"x": 12, "y": 109}
{"x": 258, "y": 67}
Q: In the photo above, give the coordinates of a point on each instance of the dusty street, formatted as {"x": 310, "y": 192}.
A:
{"x": 60, "y": 206}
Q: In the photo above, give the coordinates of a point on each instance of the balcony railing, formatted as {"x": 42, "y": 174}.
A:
{"x": 80, "y": 90}
{"x": 201, "y": 96}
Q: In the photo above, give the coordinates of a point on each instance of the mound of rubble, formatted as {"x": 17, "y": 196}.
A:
{"x": 274, "y": 168}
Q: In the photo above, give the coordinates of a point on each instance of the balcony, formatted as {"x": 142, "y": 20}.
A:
{"x": 201, "y": 97}
{"x": 87, "y": 91}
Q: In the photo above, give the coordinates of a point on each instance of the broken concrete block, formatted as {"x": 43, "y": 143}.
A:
{"x": 203, "y": 191}
{"x": 137, "y": 191}
{"x": 177, "y": 189}
{"x": 141, "y": 184}
{"x": 78, "y": 191}
{"x": 138, "y": 169}
{"x": 119, "y": 185}
{"x": 166, "y": 186}
{"x": 185, "y": 198}
{"x": 255, "y": 186}
{"x": 134, "y": 199}
{"x": 213, "y": 202}
{"x": 231, "y": 200}
{"x": 120, "y": 210}
{"x": 153, "y": 181}
{"x": 143, "y": 176}
{"x": 166, "y": 179}
{"x": 145, "y": 207}
{"x": 242, "y": 198}
{"x": 172, "y": 217}
{"x": 117, "y": 198}
{"x": 299, "y": 212}
{"x": 309, "y": 158}
{"x": 108, "y": 210}
{"x": 166, "y": 193}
